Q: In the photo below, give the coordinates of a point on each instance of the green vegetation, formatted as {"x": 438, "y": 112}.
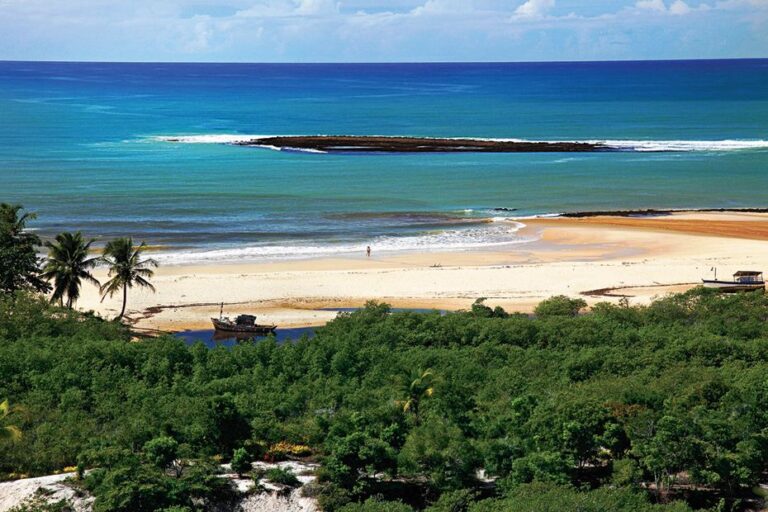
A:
{"x": 8, "y": 432}
{"x": 657, "y": 408}
{"x": 282, "y": 476}
{"x": 19, "y": 264}
{"x": 126, "y": 269}
{"x": 624, "y": 408}
{"x": 68, "y": 265}
{"x": 241, "y": 461}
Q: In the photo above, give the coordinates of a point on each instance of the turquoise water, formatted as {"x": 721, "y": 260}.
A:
{"x": 82, "y": 145}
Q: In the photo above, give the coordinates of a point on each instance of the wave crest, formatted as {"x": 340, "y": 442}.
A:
{"x": 498, "y": 233}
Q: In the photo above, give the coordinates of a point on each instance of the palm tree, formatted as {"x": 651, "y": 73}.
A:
{"x": 126, "y": 269}
{"x": 68, "y": 265}
{"x": 8, "y": 432}
{"x": 418, "y": 386}
{"x": 19, "y": 264}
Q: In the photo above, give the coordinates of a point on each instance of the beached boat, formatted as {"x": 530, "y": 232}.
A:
{"x": 743, "y": 281}
{"x": 245, "y": 324}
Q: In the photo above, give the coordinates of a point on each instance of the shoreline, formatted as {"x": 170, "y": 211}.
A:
{"x": 617, "y": 256}
{"x": 640, "y": 212}
{"x": 171, "y": 255}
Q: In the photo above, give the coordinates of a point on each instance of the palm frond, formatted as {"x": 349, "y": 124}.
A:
{"x": 11, "y": 433}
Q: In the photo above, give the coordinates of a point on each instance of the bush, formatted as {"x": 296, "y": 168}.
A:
{"x": 454, "y": 501}
{"x": 373, "y": 505}
{"x": 626, "y": 472}
{"x": 282, "y": 476}
{"x": 542, "y": 497}
{"x": 559, "y": 305}
{"x": 161, "y": 451}
{"x": 241, "y": 461}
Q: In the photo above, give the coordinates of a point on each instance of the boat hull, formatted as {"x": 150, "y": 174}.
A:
{"x": 242, "y": 329}
{"x": 733, "y": 286}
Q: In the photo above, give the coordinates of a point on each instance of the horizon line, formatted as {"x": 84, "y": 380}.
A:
{"x": 415, "y": 62}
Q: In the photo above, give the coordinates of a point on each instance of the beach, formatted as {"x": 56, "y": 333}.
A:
{"x": 602, "y": 258}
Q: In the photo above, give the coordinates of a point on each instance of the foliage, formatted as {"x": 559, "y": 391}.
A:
{"x": 161, "y": 451}
{"x": 38, "y": 503}
{"x": 126, "y": 269}
{"x": 134, "y": 487}
{"x": 454, "y": 501}
{"x": 241, "y": 461}
{"x": 68, "y": 265}
{"x": 635, "y": 397}
{"x": 559, "y": 306}
{"x": 19, "y": 264}
{"x": 373, "y": 505}
{"x": 440, "y": 451}
{"x": 8, "y": 432}
{"x": 550, "y": 498}
{"x": 282, "y": 476}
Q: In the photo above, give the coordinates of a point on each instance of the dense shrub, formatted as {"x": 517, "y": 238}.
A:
{"x": 623, "y": 394}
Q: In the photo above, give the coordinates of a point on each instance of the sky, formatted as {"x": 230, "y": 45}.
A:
{"x": 381, "y": 30}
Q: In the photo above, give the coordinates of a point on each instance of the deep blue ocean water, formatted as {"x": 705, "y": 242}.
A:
{"x": 82, "y": 145}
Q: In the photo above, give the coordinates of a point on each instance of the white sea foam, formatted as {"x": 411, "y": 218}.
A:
{"x": 498, "y": 233}
{"x": 300, "y": 150}
{"x": 625, "y": 145}
{"x": 212, "y": 138}
{"x": 684, "y": 145}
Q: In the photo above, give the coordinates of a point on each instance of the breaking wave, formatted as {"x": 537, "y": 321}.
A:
{"x": 497, "y": 233}
{"x": 684, "y": 145}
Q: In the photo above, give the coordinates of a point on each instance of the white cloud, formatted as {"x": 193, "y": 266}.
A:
{"x": 315, "y": 7}
{"x": 742, "y": 4}
{"x": 534, "y": 8}
{"x": 443, "y": 7}
{"x": 679, "y": 7}
{"x": 652, "y": 5}
{"x": 375, "y": 30}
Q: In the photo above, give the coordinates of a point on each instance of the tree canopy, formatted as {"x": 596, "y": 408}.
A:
{"x": 623, "y": 408}
{"x": 19, "y": 263}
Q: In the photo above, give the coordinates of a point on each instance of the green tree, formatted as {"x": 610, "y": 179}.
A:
{"x": 19, "y": 264}
{"x": 241, "y": 461}
{"x": 161, "y": 451}
{"x": 126, "y": 269}
{"x": 559, "y": 305}
{"x": 68, "y": 265}
{"x": 8, "y": 432}
{"x": 415, "y": 388}
{"x": 439, "y": 450}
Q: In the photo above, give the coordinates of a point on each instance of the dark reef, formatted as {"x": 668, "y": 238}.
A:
{"x": 375, "y": 144}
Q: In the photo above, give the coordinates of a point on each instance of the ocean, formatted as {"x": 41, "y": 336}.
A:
{"x": 86, "y": 146}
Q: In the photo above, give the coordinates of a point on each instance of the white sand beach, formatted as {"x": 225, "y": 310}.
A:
{"x": 597, "y": 258}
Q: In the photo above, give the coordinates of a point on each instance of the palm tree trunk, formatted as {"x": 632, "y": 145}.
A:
{"x": 125, "y": 300}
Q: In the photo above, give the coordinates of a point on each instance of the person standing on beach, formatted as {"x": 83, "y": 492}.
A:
{"x": 368, "y": 251}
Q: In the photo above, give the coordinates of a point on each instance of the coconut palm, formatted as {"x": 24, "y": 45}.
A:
{"x": 68, "y": 265}
{"x": 19, "y": 264}
{"x": 8, "y": 432}
{"x": 418, "y": 386}
{"x": 126, "y": 269}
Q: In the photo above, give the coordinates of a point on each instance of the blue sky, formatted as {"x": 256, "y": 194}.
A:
{"x": 380, "y": 30}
